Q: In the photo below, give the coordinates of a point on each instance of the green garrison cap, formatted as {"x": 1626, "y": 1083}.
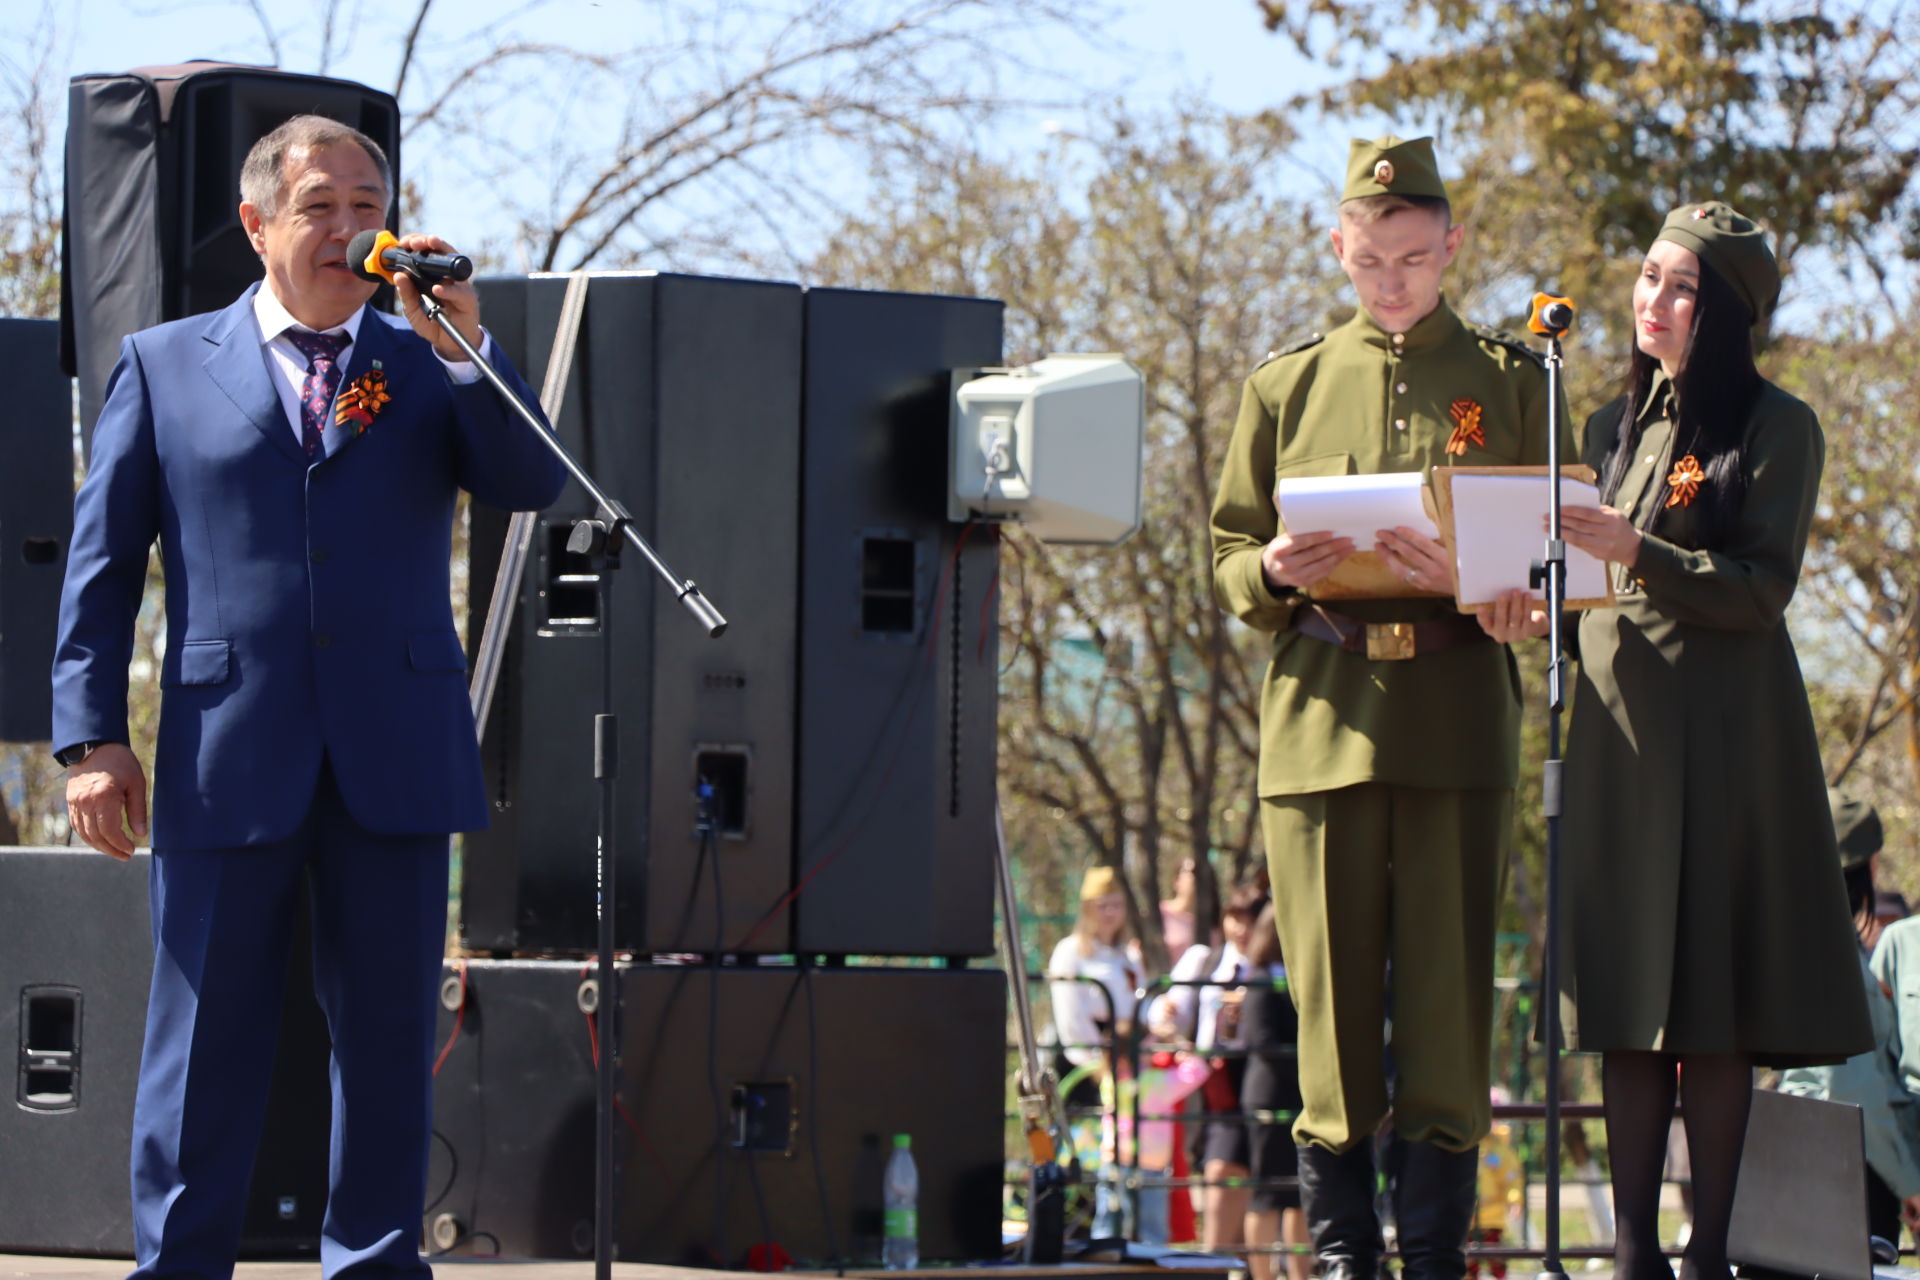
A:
{"x": 1856, "y": 826}
{"x": 1389, "y": 167}
{"x": 1734, "y": 246}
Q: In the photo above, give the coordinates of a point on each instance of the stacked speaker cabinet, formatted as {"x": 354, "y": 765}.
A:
{"x": 153, "y": 194}
{"x": 734, "y": 1079}
{"x": 684, "y": 403}
{"x": 787, "y": 450}
{"x": 898, "y": 636}
{"x": 75, "y": 963}
{"x": 36, "y": 520}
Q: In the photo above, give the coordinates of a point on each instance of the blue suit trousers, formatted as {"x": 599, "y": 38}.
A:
{"x": 221, "y": 922}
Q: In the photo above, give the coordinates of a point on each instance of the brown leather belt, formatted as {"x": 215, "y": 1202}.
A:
{"x": 1388, "y": 641}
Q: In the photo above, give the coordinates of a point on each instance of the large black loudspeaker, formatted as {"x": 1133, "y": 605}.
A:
{"x": 899, "y": 651}
{"x": 731, "y": 1078}
{"x": 76, "y": 959}
{"x": 36, "y": 521}
{"x": 153, "y": 194}
{"x": 685, "y": 404}
{"x": 788, "y": 450}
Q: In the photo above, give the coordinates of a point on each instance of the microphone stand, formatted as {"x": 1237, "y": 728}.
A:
{"x": 1551, "y": 572}
{"x": 599, "y": 538}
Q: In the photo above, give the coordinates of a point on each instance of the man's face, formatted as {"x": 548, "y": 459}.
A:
{"x": 328, "y": 195}
{"x": 1395, "y": 263}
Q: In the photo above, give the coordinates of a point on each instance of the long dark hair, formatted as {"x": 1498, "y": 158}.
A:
{"x": 1713, "y": 395}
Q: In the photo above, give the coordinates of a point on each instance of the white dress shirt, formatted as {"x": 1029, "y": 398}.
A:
{"x": 288, "y": 367}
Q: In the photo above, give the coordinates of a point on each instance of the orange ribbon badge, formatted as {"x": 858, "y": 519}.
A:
{"x": 1466, "y": 426}
{"x": 1685, "y": 481}
{"x": 361, "y": 402}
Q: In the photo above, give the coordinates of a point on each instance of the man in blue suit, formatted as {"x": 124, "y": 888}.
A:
{"x": 297, "y": 455}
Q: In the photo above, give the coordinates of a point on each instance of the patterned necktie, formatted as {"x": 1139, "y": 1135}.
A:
{"x": 322, "y": 351}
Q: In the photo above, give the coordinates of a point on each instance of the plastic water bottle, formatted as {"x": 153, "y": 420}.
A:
{"x": 900, "y": 1241}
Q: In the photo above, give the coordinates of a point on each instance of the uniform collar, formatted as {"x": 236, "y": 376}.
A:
{"x": 1660, "y": 398}
{"x": 1433, "y": 329}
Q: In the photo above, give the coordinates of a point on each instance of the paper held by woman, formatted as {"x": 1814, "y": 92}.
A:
{"x": 1495, "y": 521}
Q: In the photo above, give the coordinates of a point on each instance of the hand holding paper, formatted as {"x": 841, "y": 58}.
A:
{"x": 1300, "y": 560}
{"x": 1602, "y": 532}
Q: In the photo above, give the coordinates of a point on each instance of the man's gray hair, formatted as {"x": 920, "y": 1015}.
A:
{"x": 263, "y": 177}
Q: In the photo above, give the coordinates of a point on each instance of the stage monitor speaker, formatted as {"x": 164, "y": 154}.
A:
{"x": 897, "y": 738}
{"x": 36, "y": 521}
{"x": 153, "y": 193}
{"x": 684, "y": 403}
{"x": 730, "y": 1080}
{"x": 1800, "y": 1207}
{"x": 76, "y": 959}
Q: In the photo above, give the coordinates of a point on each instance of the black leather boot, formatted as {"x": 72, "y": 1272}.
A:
{"x": 1336, "y": 1195}
{"x": 1433, "y": 1200}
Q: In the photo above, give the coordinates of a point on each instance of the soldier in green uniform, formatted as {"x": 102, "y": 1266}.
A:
{"x": 1389, "y": 726}
{"x": 1706, "y": 924}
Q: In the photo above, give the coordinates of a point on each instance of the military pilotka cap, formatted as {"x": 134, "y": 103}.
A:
{"x": 1734, "y": 246}
{"x": 1856, "y": 827}
{"x": 1389, "y": 167}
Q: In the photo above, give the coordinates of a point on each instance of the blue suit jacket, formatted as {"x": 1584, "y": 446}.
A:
{"x": 307, "y": 600}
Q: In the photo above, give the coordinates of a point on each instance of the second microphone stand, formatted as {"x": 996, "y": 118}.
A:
{"x": 1551, "y": 573}
{"x": 599, "y": 538}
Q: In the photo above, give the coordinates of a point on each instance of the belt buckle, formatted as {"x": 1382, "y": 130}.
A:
{"x": 1389, "y": 641}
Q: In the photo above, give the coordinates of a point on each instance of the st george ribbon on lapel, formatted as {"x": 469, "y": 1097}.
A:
{"x": 322, "y": 351}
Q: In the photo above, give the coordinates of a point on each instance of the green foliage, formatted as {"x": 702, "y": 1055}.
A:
{"x": 1796, "y": 113}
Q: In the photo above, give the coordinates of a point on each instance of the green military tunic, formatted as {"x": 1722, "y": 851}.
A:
{"x": 1386, "y": 785}
{"x": 1704, "y": 905}
{"x": 1362, "y": 402}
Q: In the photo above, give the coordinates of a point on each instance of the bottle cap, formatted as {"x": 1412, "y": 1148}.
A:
{"x": 902, "y": 1141}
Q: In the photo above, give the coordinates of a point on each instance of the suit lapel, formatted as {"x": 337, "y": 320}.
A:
{"x": 238, "y": 367}
{"x": 373, "y": 349}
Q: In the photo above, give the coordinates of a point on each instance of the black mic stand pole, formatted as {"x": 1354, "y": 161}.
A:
{"x": 599, "y": 539}
{"x": 1551, "y": 572}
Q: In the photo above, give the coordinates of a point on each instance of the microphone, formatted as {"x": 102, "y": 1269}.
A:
{"x": 377, "y": 256}
{"x": 1552, "y": 316}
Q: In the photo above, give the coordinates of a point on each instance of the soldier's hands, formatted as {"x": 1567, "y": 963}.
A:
{"x": 1301, "y": 559}
{"x": 460, "y": 299}
{"x": 1418, "y": 560}
{"x": 1514, "y": 616}
{"x": 106, "y": 793}
{"x": 1602, "y": 532}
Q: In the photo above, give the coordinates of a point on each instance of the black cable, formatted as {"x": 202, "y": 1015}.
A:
{"x": 835, "y": 1260}
{"x": 453, "y": 1173}
{"x": 469, "y": 1236}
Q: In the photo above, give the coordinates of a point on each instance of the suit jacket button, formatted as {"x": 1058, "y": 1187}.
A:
{"x": 317, "y": 556}
{"x": 321, "y": 640}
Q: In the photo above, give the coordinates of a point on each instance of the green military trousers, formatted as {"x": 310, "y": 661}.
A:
{"x": 1378, "y": 873}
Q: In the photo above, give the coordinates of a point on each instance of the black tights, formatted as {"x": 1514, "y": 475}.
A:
{"x": 1716, "y": 1092}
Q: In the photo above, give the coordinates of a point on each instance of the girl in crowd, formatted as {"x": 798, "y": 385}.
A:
{"x": 1094, "y": 1017}
{"x": 1707, "y": 924}
{"x": 1208, "y": 1017}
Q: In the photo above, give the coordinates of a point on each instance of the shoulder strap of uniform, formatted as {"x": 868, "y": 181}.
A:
{"x": 1313, "y": 341}
{"x": 1511, "y": 341}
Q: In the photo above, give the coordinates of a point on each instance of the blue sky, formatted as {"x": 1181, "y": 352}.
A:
{"x": 1152, "y": 52}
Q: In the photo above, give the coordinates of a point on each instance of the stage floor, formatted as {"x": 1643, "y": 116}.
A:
{"x": 16, "y": 1266}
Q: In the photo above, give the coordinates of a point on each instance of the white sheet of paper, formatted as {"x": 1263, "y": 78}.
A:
{"x": 1356, "y": 507}
{"x": 1500, "y": 529}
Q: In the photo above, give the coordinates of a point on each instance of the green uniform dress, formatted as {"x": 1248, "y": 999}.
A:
{"x": 1386, "y": 785}
{"x": 1704, "y": 907}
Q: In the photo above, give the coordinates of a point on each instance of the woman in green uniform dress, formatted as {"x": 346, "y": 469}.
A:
{"x": 1707, "y": 924}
